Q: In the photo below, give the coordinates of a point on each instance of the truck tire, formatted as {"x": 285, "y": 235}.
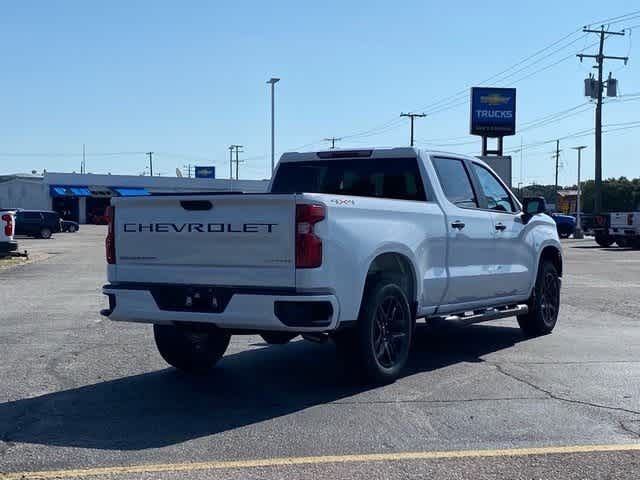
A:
{"x": 278, "y": 338}
{"x": 377, "y": 348}
{"x": 604, "y": 240}
{"x": 193, "y": 349}
{"x": 544, "y": 304}
{"x": 622, "y": 242}
{"x": 45, "y": 232}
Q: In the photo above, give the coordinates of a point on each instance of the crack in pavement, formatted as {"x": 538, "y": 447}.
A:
{"x": 462, "y": 400}
{"x": 501, "y": 370}
{"x": 627, "y": 429}
{"x": 576, "y": 362}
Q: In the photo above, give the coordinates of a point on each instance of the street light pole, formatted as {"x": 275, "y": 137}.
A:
{"x": 578, "y": 233}
{"x": 273, "y": 82}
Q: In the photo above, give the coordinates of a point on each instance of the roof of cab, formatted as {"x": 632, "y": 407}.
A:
{"x": 400, "y": 152}
{"x": 397, "y": 152}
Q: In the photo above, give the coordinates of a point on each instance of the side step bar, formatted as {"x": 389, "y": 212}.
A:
{"x": 477, "y": 316}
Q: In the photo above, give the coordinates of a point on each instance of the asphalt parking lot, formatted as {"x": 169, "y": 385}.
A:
{"x": 81, "y": 396}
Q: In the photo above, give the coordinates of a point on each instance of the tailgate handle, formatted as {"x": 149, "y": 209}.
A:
{"x": 196, "y": 204}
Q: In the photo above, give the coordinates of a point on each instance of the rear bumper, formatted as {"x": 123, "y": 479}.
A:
{"x": 247, "y": 309}
{"x": 623, "y": 231}
{"x": 6, "y": 247}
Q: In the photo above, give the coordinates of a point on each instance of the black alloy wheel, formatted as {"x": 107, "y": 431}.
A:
{"x": 390, "y": 336}
{"x": 550, "y": 298}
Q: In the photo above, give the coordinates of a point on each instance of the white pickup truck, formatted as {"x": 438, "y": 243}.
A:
{"x": 7, "y": 229}
{"x": 349, "y": 246}
{"x": 624, "y": 229}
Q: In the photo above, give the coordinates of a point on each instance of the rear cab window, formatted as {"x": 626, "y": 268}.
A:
{"x": 396, "y": 178}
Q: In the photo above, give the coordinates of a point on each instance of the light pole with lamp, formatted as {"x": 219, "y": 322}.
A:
{"x": 578, "y": 232}
{"x": 273, "y": 82}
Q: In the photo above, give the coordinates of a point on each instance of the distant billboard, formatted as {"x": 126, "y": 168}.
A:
{"x": 493, "y": 111}
{"x": 206, "y": 172}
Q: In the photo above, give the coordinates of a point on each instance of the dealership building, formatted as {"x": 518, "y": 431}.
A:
{"x": 84, "y": 197}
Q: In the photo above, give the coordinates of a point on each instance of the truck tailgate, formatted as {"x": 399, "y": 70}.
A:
{"x": 625, "y": 219}
{"x": 226, "y": 240}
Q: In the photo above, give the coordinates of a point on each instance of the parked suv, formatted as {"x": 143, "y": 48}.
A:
{"x": 37, "y": 223}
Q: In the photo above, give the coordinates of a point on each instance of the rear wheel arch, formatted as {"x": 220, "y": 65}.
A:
{"x": 399, "y": 268}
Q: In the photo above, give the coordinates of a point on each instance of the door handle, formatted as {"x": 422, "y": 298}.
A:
{"x": 196, "y": 205}
{"x": 501, "y": 227}
{"x": 458, "y": 225}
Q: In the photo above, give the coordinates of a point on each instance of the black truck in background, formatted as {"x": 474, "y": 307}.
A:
{"x": 598, "y": 225}
{"x": 37, "y": 223}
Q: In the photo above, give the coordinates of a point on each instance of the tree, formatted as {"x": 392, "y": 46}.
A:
{"x": 618, "y": 194}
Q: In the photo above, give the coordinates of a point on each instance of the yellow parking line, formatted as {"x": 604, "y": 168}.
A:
{"x": 287, "y": 461}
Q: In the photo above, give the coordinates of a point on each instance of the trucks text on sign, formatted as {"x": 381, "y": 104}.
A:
{"x": 493, "y": 111}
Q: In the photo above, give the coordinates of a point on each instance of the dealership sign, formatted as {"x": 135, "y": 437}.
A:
{"x": 206, "y": 172}
{"x": 493, "y": 111}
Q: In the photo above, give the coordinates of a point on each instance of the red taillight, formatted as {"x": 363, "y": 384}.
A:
{"x": 8, "y": 226}
{"x": 110, "y": 241}
{"x": 308, "y": 245}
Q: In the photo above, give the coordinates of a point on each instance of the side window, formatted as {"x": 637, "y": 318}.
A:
{"x": 497, "y": 196}
{"x": 31, "y": 216}
{"x": 455, "y": 182}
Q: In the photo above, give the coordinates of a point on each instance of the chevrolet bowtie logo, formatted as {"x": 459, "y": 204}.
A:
{"x": 494, "y": 99}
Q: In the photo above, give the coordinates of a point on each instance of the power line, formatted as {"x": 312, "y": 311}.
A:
{"x": 456, "y": 100}
{"x": 620, "y": 19}
{"x": 465, "y": 91}
{"x": 530, "y": 125}
{"x": 513, "y": 82}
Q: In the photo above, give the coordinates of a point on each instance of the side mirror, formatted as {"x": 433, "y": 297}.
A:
{"x": 533, "y": 206}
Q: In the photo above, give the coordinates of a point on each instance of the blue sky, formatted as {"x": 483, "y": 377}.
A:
{"x": 186, "y": 79}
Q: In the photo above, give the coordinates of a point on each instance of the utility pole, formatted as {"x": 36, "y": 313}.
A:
{"x": 231, "y": 147}
{"x": 187, "y": 167}
{"x": 83, "y": 166}
{"x": 412, "y": 116}
{"x": 237, "y": 161}
{"x": 557, "y": 157}
{"x": 333, "y": 141}
{"x": 150, "y": 163}
{"x": 273, "y": 82}
{"x": 600, "y": 57}
{"x": 578, "y": 231}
